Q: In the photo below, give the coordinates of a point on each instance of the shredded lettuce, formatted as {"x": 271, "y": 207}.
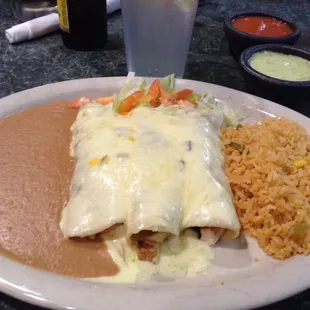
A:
{"x": 116, "y": 103}
{"x": 194, "y": 97}
{"x": 143, "y": 86}
{"x": 168, "y": 83}
{"x": 205, "y": 102}
{"x": 230, "y": 118}
{"x": 132, "y": 84}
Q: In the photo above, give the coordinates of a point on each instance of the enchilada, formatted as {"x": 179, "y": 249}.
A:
{"x": 157, "y": 170}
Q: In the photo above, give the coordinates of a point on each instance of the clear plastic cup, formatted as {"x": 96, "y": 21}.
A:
{"x": 157, "y": 35}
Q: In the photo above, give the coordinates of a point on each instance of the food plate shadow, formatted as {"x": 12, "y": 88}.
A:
{"x": 239, "y": 254}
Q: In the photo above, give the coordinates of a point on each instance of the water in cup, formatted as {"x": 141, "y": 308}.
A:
{"x": 157, "y": 35}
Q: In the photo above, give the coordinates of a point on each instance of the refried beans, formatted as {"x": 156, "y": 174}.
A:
{"x": 36, "y": 171}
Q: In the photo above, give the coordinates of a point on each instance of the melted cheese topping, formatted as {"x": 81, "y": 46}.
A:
{"x": 183, "y": 256}
{"x": 150, "y": 170}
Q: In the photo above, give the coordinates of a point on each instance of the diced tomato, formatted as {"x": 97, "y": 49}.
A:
{"x": 183, "y": 94}
{"x": 168, "y": 99}
{"x": 131, "y": 102}
{"x": 155, "y": 89}
{"x": 154, "y": 92}
{"x": 79, "y": 103}
{"x": 104, "y": 100}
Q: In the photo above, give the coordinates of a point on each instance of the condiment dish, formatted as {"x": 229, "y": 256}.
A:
{"x": 289, "y": 93}
{"x": 239, "y": 40}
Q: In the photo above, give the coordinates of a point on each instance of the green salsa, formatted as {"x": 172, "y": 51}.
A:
{"x": 281, "y": 66}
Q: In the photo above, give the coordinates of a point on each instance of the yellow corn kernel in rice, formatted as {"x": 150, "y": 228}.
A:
{"x": 300, "y": 163}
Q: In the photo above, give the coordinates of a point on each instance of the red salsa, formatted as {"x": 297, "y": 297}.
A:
{"x": 262, "y": 26}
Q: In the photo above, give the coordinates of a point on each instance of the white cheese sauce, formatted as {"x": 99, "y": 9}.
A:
{"x": 150, "y": 170}
{"x": 154, "y": 170}
{"x": 183, "y": 256}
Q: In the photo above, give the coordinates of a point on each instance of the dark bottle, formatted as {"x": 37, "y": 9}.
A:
{"x": 83, "y": 23}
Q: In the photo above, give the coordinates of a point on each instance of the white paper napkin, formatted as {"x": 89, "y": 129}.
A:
{"x": 33, "y": 28}
{"x": 40, "y": 26}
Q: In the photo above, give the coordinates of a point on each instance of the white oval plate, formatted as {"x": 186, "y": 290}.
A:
{"x": 236, "y": 281}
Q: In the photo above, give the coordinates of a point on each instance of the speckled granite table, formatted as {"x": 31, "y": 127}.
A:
{"x": 46, "y": 61}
